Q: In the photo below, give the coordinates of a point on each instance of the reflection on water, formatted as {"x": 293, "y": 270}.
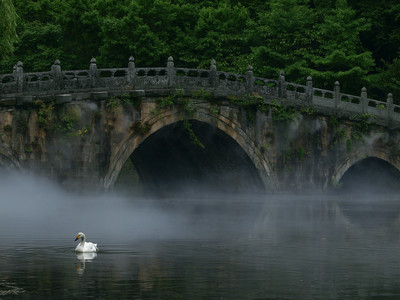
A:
{"x": 267, "y": 247}
{"x": 83, "y": 258}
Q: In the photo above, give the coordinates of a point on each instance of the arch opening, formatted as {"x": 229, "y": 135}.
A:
{"x": 368, "y": 193}
{"x": 371, "y": 175}
{"x": 169, "y": 163}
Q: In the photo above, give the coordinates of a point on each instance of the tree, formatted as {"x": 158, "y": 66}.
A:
{"x": 39, "y": 35}
{"x": 8, "y": 24}
{"x": 339, "y": 54}
{"x": 144, "y": 29}
{"x": 222, "y": 34}
{"x": 285, "y": 36}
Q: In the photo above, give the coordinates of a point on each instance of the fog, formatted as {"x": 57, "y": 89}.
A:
{"x": 32, "y": 206}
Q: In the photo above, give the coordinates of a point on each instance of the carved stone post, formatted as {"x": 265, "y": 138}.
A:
{"x": 364, "y": 100}
{"x": 390, "y": 107}
{"x": 57, "y": 75}
{"x": 282, "y": 85}
{"x": 93, "y": 72}
{"x": 336, "y": 92}
{"x": 309, "y": 90}
{"x": 250, "y": 80}
{"x": 213, "y": 73}
{"x": 19, "y": 71}
{"x": 171, "y": 72}
{"x": 131, "y": 71}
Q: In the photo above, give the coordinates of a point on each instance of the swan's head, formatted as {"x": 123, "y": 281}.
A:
{"x": 80, "y": 235}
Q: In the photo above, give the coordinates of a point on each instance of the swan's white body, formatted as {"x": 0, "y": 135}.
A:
{"x": 84, "y": 246}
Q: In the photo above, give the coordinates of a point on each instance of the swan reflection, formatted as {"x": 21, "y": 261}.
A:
{"x": 83, "y": 258}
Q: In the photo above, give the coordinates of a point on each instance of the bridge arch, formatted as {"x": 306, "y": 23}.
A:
{"x": 230, "y": 126}
{"x": 381, "y": 153}
{"x": 8, "y": 160}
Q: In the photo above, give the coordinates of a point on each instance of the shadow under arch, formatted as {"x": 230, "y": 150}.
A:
{"x": 169, "y": 162}
{"x": 219, "y": 121}
{"x": 356, "y": 158}
{"x": 368, "y": 191}
{"x": 371, "y": 174}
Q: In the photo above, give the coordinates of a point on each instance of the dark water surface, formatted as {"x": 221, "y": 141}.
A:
{"x": 264, "y": 247}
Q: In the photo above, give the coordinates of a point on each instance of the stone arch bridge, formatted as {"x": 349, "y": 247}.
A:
{"x": 84, "y": 126}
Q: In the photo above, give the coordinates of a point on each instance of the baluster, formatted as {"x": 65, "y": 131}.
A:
{"x": 213, "y": 73}
{"x": 93, "y": 72}
{"x": 250, "y": 80}
{"x": 390, "y": 107}
{"x": 309, "y": 90}
{"x": 282, "y": 85}
{"x": 171, "y": 72}
{"x": 19, "y": 71}
{"x": 364, "y": 100}
{"x": 336, "y": 91}
{"x": 57, "y": 75}
{"x": 131, "y": 71}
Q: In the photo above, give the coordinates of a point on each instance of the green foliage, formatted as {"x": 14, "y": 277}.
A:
{"x": 28, "y": 149}
{"x": 354, "y": 42}
{"x": 333, "y": 122}
{"x": 68, "y": 122}
{"x": 203, "y": 95}
{"x": 339, "y": 54}
{"x": 282, "y": 113}
{"x": 7, "y": 128}
{"x": 284, "y": 36}
{"x": 46, "y": 114}
{"x": 140, "y": 127}
{"x": 307, "y": 110}
{"x": 250, "y": 104}
{"x": 192, "y": 136}
{"x": 301, "y": 153}
{"x": 361, "y": 126}
{"x": 112, "y": 103}
{"x": 363, "y": 123}
{"x": 387, "y": 79}
{"x": 8, "y": 24}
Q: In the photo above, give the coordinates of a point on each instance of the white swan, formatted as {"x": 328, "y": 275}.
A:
{"x": 84, "y": 246}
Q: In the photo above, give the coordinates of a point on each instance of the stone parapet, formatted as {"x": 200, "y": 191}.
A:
{"x": 21, "y": 88}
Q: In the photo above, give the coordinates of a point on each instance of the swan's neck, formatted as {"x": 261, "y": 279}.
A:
{"x": 83, "y": 240}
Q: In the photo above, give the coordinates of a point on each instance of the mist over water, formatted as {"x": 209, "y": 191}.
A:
{"x": 311, "y": 246}
{"x": 32, "y": 206}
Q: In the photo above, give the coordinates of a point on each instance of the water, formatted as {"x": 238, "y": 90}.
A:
{"x": 209, "y": 247}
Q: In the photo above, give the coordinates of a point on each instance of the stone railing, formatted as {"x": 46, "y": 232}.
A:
{"x": 65, "y": 86}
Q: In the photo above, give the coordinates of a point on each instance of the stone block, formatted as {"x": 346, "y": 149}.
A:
{"x": 99, "y": 95}
{"x": 8, "y": 101}
{"x": 63, "y": 98}
{"x": 26, "y": 99}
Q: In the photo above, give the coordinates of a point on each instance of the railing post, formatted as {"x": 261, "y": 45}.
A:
{"x": 390, "y": 107}
{"x": 57, "y": 76}
{"x": 171, "y": 72}
{"x": 309, "y": 90}
{"x": 250, "y": 80}
{"x": 93, "y": 72}
{"x": 213, "y": 73}
{"x": 19, "y": 71}
{"x": 282, "y": 85}
{"x": 131, "y": 71}
{"x": 364, "y": 100}
{"x": 336, "y": 91}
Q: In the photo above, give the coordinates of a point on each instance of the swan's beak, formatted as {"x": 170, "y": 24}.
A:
{"x": 77, "y": 238}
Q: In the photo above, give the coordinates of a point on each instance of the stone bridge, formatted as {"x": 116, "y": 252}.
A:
{"x": 179, "y": 126}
